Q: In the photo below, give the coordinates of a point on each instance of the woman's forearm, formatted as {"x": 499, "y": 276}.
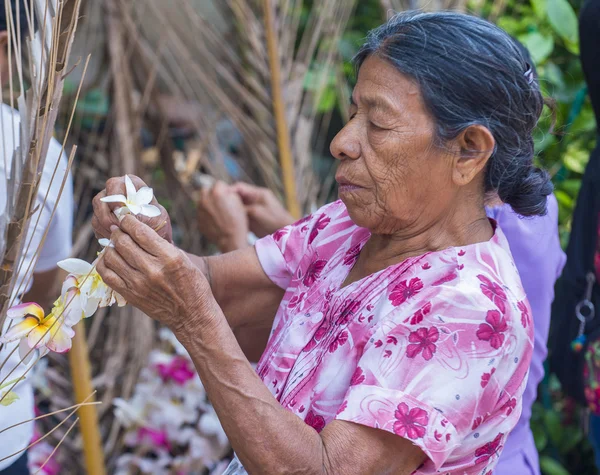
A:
{"x": 266, "y": 437}
{"x": 247, "y": 297}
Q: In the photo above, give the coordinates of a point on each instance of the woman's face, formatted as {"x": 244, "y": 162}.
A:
{"x": 392, "y": 177}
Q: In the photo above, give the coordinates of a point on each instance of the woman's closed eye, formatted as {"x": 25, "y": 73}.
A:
{"x": 374, "y": 126}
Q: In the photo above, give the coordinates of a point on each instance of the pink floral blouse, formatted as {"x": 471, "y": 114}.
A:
{"x": 435, "y": 349}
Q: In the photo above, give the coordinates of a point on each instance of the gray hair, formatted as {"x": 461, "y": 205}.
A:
{"x": 470, "y": 72}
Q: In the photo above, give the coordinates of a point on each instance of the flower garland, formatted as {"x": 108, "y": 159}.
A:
{"x": 82, "y": 293}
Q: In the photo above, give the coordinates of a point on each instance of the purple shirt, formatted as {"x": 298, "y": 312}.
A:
{"x": 535, "y": 246}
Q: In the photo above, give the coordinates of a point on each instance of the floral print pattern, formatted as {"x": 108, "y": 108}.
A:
{"x": 410, "y": 423}
{"x": 432, "y": 349}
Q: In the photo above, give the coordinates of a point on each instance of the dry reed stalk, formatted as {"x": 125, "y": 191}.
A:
{"x": 38, "y": 109}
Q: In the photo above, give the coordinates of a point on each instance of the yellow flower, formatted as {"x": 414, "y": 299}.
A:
{"x": 38, "y": 331}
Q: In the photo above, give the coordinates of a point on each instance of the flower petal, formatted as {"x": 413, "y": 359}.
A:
{"x": 43, "y": 351}
{"x": 121, "y": 302}
{"x": 69, "y": 283}
{"x": 144, "y": 196}
{"x": 90, "y": 306}
{"x": 114, "y": 199}
{"x": 21, "y": 330}
{"x": 130, "y": 187}
{"x": 75, "y": 266}
{"x": 25, "y": 352}
{"x": 61, "y": 340}
{"x": 121, "y": 212}
{"x": 135, "y": 209}
{"x": 73, "y": 311}
{"x": 38, "y": 336}
{"x": 105, "y": 242}
{"x": 24, "y": 309}
{"x": 150, "y": 210}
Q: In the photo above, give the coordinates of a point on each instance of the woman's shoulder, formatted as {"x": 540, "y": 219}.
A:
{"x": 464, "y": 282}
{"x": 323, "y": 227}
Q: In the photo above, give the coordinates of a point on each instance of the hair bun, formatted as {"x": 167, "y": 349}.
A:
{"x": 529, "y": 194}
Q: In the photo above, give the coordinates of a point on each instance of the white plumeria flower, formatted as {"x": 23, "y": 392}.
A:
{"x": 92, "y": 289}
{"x": 136, "y": 202}
{"x": 105, "y": 243}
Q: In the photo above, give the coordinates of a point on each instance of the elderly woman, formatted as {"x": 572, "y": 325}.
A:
{"x": 400, "y": 334}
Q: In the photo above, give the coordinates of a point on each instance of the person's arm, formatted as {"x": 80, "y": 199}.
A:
{"x": 266, "y": 437}
{"x": 45, "y": 286}
{"x": 248, "y": 298}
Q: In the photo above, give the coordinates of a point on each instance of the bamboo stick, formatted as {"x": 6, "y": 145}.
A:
{"x": 283, "y": 135}
{"x": 82, "y": 386}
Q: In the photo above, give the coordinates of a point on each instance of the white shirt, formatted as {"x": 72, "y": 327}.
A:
{"x": 56, "y": 247}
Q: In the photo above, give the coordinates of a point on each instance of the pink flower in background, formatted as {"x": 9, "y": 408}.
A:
{"x": 178, "y": 370}
{"x": 39, "y": 455}
{"x": 156, "y": 438}
{"x": 410, "y": 423}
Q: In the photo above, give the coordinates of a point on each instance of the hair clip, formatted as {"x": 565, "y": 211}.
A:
{"x": 529, "y": 74}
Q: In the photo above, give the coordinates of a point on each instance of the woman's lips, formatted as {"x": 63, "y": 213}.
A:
{"x": 347, "y": 187}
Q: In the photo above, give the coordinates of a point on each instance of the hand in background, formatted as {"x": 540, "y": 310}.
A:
{"x": 266, "y": 214}
{"x": 222, "y": 217}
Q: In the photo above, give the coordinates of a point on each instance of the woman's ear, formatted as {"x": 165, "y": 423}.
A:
{"x": 476, "y": 144}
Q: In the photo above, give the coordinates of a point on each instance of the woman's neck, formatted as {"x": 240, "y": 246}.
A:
{"x": 382, "y": 251}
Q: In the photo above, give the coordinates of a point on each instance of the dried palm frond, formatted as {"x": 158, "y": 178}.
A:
{"x": 48, "y": 50}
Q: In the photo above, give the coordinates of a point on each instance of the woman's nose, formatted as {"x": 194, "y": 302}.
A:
{"x": 345, "y": 145}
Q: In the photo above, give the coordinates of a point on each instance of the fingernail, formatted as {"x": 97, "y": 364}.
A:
{"x": 113, "y": 228}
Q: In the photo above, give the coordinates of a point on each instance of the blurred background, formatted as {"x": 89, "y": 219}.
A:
{"x": 180, "y": 89}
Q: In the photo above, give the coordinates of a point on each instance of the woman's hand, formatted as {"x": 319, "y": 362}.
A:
{"x": 266, "y": 214}
{"x": 156, "y": 277}
{"x": 104, "y": 217}
{"x": 222, "y": 217}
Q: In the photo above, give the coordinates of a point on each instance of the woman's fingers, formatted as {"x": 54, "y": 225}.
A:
{"x": 110, "y": 277}
{"x": 249, "y": 194}
{"x": 144, "y": 236}
{"x": 128, "y": 249}
{"x": 103, "y": 218}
